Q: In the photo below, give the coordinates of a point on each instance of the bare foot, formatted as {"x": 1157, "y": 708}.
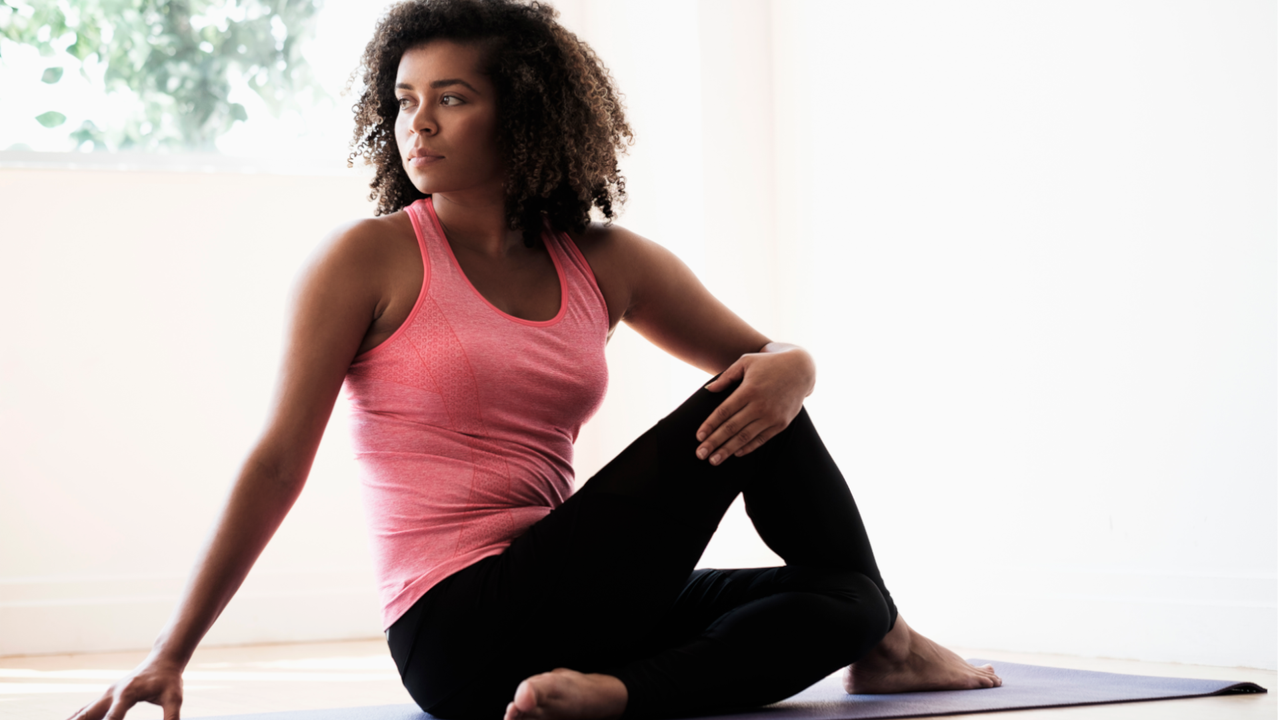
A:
{"x": 568, "y": 695}
{"x": 906, "y": 661}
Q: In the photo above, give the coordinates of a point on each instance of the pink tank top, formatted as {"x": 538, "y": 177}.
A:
{"x": 463, "y": 421}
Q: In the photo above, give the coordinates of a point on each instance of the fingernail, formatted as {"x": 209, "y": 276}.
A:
{"x": 702, "y": 436}
{"x": 715, "y": 460}
{"x": 702, "y": 453}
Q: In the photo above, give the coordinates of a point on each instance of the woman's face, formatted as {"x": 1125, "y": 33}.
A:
{"x": 447, "y": 127}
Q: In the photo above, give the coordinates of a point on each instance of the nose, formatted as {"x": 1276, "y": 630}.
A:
{"x": 424, "y": 121}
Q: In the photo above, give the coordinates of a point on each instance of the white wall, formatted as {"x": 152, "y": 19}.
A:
{"x": 143, "y": 315}
{"x": 1032, "y": 247}
{"x": 1041, "y": 260}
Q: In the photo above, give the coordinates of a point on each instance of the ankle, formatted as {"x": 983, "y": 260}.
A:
{"x": 896, "y": 646}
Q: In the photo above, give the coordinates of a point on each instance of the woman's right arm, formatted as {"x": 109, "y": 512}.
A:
{"x": 335, "y": 299}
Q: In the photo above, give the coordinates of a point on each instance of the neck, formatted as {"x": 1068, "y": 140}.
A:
{"x": 477, "y": 224}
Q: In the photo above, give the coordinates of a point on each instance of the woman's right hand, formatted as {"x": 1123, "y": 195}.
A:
{"x": 155, "y": 681}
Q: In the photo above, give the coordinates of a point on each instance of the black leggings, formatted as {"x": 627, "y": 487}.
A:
{"x": 606, "y": 583}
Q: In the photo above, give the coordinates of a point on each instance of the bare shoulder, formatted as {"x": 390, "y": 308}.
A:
{"x": 631, "y": 258}
{"x": 612, "y": 242}
{"x": 618, "y": 257}
{"x": 367, "y": 239}
{"x": 621, "y": 251}
{"x": 363, "y": 258}
{"x": 359, "y": 282}
{"x": 660, "y": 297}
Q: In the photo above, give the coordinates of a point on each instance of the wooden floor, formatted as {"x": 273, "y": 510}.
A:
{"x": 229, "y": 681}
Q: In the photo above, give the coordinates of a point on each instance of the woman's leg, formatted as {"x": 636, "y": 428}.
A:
{"x": 594, "y": 583}
{"x": 802, "y": 508}
{"x": 645, "y": 519}
{"x": 747, "y": 637}
{"x": 737, "y": 638}
{"x": 804, "y": 511}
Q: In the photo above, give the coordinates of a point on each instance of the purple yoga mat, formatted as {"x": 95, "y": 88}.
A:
{"x": 1025, "y": 686}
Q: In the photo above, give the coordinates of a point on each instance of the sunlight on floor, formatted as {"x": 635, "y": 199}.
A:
{"x": 267, "y": 678}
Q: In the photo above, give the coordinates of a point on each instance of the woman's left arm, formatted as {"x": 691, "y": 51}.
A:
{"x": 655, "y": 293}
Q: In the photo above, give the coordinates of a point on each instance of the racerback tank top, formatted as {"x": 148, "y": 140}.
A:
{"x": 463, "y": 421}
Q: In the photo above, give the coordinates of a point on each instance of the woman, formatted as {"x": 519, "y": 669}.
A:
{"x": 468, "y": 323}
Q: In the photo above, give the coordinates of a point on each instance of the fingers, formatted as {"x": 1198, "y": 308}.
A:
{"x": 736, "y": 433}
{"x": 731, "y": 426}
{"x": 757, "y": 409}
{"x": 153, "y": 682}
{"x": 171, "y": 703}
{"x": 758, "y": 440}
{"x": 94, "y": 710}
{"x": 715, "y": 423}
{"x": 119, "y": 708}
{"x": 169, "y": 699}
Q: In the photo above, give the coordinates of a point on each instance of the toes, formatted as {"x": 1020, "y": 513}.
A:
{"x": 985, "y": 676}
{"x": 525, "y": 701}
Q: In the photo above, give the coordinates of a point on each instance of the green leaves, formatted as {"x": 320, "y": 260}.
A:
{"x": 179, "y": 58}
{"x": 51, "y": 119}
{"x": 89, "y": 133}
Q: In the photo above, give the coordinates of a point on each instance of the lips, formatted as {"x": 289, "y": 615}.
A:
{"x": 421, "y": 157}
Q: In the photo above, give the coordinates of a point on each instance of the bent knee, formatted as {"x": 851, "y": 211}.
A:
{"x": 865, "y": 614}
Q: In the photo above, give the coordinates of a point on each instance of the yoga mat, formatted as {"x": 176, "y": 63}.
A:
{"x": 1025, "y": 686}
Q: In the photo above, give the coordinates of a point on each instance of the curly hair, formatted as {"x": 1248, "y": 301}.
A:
{"x": 561, "y": 125}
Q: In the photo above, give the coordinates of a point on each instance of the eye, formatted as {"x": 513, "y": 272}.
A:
{"x": 403, "y": 101}
{"x": 445, "y": 100}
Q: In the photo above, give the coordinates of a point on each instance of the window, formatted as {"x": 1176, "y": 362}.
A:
{"x": 259, "y": 79}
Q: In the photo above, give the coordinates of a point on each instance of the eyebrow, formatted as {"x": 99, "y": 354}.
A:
{"x": 442, "y": 83}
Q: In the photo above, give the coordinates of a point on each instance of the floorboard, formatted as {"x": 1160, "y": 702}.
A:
{"x": 264, "y": 678}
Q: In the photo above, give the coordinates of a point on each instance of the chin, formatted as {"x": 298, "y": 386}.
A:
{"x": 438, "y": 182}
{"x": 422, "y": 182}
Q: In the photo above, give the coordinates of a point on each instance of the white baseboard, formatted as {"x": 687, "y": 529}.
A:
{"x": 1195, "y": 618}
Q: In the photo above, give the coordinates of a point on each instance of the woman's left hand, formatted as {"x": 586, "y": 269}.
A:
{"x": 775, "y": 383}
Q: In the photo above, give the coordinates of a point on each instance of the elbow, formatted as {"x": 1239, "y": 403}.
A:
{"x": 272, "y": 472}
